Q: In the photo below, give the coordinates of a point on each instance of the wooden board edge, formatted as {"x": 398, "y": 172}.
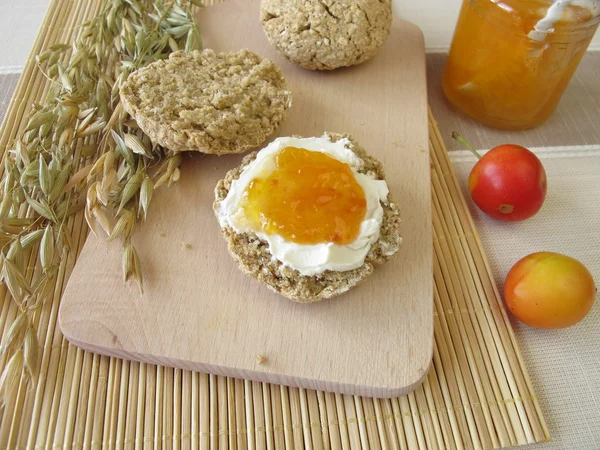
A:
{"x": 254, "y": 375}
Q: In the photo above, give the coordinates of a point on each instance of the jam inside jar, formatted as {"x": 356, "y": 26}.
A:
{"x": 507, "y": 69}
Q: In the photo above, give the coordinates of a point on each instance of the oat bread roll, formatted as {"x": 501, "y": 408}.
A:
{"x": 208, "y": 102}
{"x": 255, "y": 259}
{"x": 327, "y": 34}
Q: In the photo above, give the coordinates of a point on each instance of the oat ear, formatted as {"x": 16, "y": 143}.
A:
{"x": 70, "y": 156}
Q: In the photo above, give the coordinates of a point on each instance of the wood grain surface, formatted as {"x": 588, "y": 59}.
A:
{"x": 200, "y": 312}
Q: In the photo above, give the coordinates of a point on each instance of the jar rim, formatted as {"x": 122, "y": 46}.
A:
{"x": 574, "y": 27}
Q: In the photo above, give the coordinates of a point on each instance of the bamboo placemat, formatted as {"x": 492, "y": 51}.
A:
{"x": 477, "y": 393}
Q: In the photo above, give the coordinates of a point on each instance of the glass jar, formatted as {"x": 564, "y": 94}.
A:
{"x": 507, "y": 69}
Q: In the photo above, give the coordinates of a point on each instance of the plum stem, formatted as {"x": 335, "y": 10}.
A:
{"x": 464, "y": 142}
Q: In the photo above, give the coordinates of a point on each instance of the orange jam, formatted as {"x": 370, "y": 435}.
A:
{"x": 309, "y": 198}
{"x": 502, "y": 76}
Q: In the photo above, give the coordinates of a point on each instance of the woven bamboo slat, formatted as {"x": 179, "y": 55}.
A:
{"x": 477, "y": 393}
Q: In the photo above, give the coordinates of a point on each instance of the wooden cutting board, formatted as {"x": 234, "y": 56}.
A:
{"x": 200, "y": 312}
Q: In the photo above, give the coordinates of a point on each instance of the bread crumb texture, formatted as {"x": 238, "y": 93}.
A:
{"x": 327, "y": 34}
{"x": 209, "y": 102}
{"x": 254, "y": 258}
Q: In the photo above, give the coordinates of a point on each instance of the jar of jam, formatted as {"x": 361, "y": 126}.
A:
{"x": 511, "y": 60}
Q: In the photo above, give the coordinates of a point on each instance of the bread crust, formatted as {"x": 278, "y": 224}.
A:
{"x": 215, "y": 103}
{"x": 254, "y": 258}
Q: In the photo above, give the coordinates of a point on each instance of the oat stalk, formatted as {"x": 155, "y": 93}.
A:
{"x": 81, "y": 151}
